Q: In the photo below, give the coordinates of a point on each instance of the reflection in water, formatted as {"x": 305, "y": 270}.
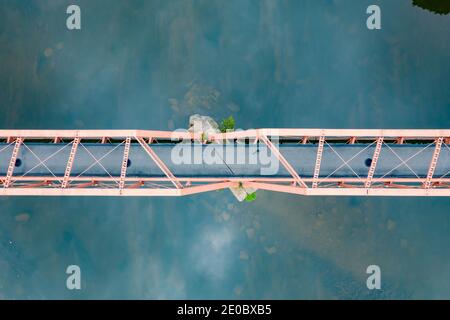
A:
{"x": 211, "y": 253}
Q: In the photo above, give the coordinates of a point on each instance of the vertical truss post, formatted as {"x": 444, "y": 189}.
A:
{"x": 69, "y": 165}
{"x": 352, "y": 140}
{"x": 400, "y": 140}
{"x": 123, "y": 171}
{"x": 318, "y": 162}
{"x": 373, "y": 165}
{"x": 12, "y": 162}
{"x": 283, "y": 161}
{"x": 159, "y": 163}
{"x": 433, "y": 163}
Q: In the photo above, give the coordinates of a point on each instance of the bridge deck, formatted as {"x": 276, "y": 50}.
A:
{"x": 338, "y": 160}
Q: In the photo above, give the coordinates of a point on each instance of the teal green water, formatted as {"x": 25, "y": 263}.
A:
{"x": 150, "y": 64}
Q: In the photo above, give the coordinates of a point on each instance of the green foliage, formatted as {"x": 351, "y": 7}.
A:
{"x": 250, "y": 197}
{"x": 436, "y": 6}
{"x": 227, "y": 124}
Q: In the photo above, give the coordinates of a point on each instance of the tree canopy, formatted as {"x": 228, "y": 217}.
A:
{"x": 436, "y": 6}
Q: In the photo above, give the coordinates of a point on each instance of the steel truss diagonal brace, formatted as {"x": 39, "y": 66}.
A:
{"x": 12, "y": 162}
{"x": 159, "y": 163}
{"x": 69, "y": 165}
{"x": 283, "y": 161}
{"x": 434, "y": 160}
{"x": 373, "y": 165}
{"x": 318, "y": 161}
{"x": 123, "y": 171}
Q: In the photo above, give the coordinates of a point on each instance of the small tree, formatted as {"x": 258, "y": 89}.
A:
{"x": 250, "y": 197}
{"x": 227, "y": 124}
{"x": 436, "y": 6}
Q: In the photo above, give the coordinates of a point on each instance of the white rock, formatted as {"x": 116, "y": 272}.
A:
{"x": 240, "y": 192}
{"x": 205, "y": 124}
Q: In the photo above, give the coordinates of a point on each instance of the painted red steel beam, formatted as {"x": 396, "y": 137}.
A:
{"x": 159, "y": 163}
{"x": 123, "y": 170}
{"x": 434, "y": 160}
{"x": 12, "y": 162}
{"x": 283, "y": 161}
{"x": 348, "y": 133}
{"x": 69, "y": 165}
{"x": 373, "y": 165}
{"x": 318, "y": 161}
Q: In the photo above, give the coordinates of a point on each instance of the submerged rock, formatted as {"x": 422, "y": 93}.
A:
{"x": 250, "y": 233}
{"x": 391, "y": 225}
{"x": 271, "y": 250}
{"x": 243, "y": 255}
{"x": 23, "y": 217}
{"x": 205, "y": 124}
{"x": 226, "y": 216}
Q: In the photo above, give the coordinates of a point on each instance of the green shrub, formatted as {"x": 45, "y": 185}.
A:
{"x": 250, "y": 197}
{"x": 436, "y": 6}
{"x": 227, "y": 124}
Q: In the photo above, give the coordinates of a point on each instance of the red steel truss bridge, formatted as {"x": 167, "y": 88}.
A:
{"x": 348, "y": 162}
